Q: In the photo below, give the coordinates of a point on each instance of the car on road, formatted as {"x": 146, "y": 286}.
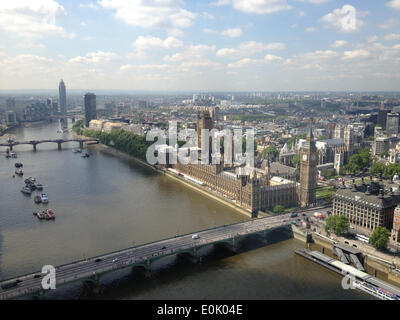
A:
{"x": 163, "y": 248}
{"x": 115, "y": 260}
{"x": 195, "y": 236}
{"x": 36, "y": 276}
{"x": 293, "y": 215}
{"x": 98, "y": 260}
{"x": 9, "y": 285}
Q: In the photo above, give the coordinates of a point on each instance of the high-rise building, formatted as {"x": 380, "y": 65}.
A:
{"x": 392, "y": 124}
{"x": 11, "y": 117}
{"x": 308, "y": 171}
{"x": 90, "y": 108}
{"x": 63, "y": 98}
{"x": 10, "y": 103}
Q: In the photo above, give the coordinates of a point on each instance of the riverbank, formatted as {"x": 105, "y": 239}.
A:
{"x": 200, "y": 189}
{"x": 4, "y": 131}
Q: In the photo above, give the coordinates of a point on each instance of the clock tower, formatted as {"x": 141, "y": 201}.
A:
{"x": 308, "y": 172}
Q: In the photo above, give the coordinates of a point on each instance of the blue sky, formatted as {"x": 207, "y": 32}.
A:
{"x": 229, "y": 45}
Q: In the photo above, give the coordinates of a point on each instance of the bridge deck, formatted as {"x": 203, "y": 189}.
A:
{"x": 142, "y": 255}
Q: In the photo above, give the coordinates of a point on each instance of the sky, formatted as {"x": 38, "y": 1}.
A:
{"x": 201, "y": 45}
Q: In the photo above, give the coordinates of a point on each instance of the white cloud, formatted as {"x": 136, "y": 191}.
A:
{"x": 395, "y": 4}
{"x": 151, "y": 14}
{"x": 89, "y": 5}
{"x": 208, "y": 15}
{"x": 387, "y": 24}
{"x": 392, "y": 36}
{"x": 260, "y": 6}
{"x": 311, "y": 29}
{"x": 32, "y": 19}
{"x": 272, "y": 58}
{"x": 356, "y": 54}
{"x": 232, "y": 33}
{"x": 147, "y": 42}
{"x": 95, "y": 58}
{"x": 338, "y": 43}
{"x": 249, "y": 48}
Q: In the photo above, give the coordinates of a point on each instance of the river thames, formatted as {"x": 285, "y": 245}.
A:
{"x": 104, "y": 203}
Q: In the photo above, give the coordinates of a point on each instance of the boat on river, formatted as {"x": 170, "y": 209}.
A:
{"x": 18, "y": 165}
{"x": 37, "y": 199}
{"x": 19, "y": 172}
{"x": 26, "y": 190}
{"x": 44, "y": 198}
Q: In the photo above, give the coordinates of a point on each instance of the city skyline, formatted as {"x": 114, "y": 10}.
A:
{"x": 284, "y": 45}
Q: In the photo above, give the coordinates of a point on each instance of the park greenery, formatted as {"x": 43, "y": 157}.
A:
{"x": 278, "y": 209}
{"x": 122, "y": 140}
{"x": 358, "y": 161}
{"x": 326, "y": 194}
{"x": 380, "y": 238}
{"x": 388, "y": 171}
{"x": 338, "y": 224}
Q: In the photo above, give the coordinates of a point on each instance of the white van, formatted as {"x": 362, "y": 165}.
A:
{"x": 195, "y": 236}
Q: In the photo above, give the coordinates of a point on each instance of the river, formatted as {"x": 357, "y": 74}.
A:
{"x": 104, "y": 204}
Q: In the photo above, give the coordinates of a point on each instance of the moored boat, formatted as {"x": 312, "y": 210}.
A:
{"x": 26, "y": 190}
{"x": 44, "y": 198}
{"x": 19, "y": 172}
{"x": 37, "y": 199}
{"x": 38, "y": 186}
{"x": 50, "y": 215}
{"x": 41, "y": 215}
{"x": 18, "y": 165}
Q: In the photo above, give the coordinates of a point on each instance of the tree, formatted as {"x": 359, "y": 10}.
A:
{"x": 384, "y": 154}
{"x": 358, "y": 161}
{"x": 270, "y": 152}
{"x": 338, "y": 224}
{"x": 296, "y": 160}
{"x": 278, "y": 209}
{"x": 380, "y": 238}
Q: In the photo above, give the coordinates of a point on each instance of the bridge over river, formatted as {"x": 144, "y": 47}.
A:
{"x": 11, "y": 144}
{"x": 90, "y": 270}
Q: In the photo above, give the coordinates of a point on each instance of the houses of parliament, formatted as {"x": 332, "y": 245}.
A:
{"x": 252, "y": 188}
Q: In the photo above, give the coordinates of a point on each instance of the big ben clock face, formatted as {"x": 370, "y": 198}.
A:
{"x": 304, "y": 157}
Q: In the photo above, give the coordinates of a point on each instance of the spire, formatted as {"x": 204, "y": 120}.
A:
{"x": 310, "y": 135}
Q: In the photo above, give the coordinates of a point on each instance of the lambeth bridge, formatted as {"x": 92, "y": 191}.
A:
{"x": 11, "y": 144}
{"x": 141, "y": 257}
